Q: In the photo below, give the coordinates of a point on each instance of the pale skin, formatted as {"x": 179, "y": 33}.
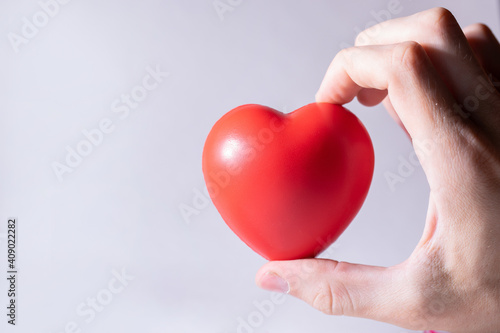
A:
{"x": 439, "y": 82}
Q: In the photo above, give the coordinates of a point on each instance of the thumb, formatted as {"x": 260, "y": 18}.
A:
{"x": 340, "y": 288}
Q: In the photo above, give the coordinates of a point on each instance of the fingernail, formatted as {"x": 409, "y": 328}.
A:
{"x": 273, "y": 282}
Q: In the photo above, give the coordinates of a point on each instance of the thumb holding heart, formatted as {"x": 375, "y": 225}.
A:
{"x": 341, "y": 288}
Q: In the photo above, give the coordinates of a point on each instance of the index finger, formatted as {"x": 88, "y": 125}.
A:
{"x": 423, "y": 102}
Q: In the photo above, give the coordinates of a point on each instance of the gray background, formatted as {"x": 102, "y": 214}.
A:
{"x": 119, "y": 209}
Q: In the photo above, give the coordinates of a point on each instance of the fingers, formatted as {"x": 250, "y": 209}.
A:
{"x": 415, "y": 89}
{"x": 486, "y": 48}
{"x": 443, "y": 40}
{"x": 340, "y": 288}
{"x": 450, "y": 53}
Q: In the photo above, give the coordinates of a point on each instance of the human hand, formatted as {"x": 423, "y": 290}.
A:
{"x": 433, "y": 78}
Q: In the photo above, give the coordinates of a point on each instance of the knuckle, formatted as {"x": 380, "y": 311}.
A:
{"x": 358, "y": 41}
{"x": 440, "y": 19}
{"x": 480, "y": 29}
{"x": 332, "y": 297}
{"x": 344, "y": 55}
{"x": 329, "y": 299}
{"x": 361, "y": 39}
{"x": 408, "y": 55}
{"x": 323, "y": 300}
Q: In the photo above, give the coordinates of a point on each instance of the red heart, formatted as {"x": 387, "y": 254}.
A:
{"x": 288, "y": 184}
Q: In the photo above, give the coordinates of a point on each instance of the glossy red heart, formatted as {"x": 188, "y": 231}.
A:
{"x": 288, "y": 184}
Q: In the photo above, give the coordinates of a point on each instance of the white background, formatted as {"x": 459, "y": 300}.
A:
{"x": 119, "y": 209}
